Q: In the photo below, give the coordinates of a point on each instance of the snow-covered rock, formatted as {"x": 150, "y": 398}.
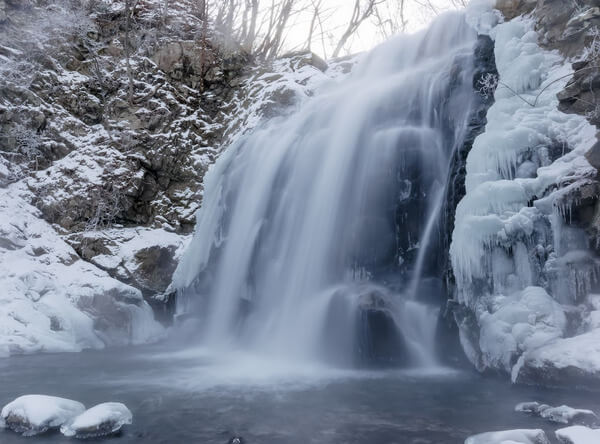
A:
{"x": 519, "y": 436}
{"x": 578, "y": 435}
{"x": 33, "y": 414}
{"x": 519, "y": 265}
{"x": 561, "y": 415}
{"x": 53, "y": 301}
{"x": 532, "y": 407}
{"x": 103, "y": 419}
{"x": 575, "y": 360}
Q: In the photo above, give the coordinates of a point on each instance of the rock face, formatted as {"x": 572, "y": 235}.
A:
{"x": 524, "y": 249}
{"x": 115, "y": 165}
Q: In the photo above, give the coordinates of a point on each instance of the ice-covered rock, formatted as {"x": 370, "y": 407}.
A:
{"x": 103, "y": 419}
{"x": 33, "y": 414}
{"x": 519, "y": 322}
{"x": 532, "y": 407}
{"x": 517, "y": 261}
{"x": 574, "y": 360}
{"x": 562, "y": 414}
{"x": 519, "y": 436}
{"x": 568, "y": 415}
{"x": 578, "y": 435}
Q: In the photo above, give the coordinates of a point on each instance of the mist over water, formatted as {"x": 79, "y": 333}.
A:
{"x": 317, "y": 231}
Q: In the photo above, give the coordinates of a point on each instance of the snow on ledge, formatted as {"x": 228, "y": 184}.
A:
{"x": 52, "y": 301}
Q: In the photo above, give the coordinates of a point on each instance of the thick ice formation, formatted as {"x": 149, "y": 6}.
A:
{"x": 578, "y": 435}
{"x": 33, "y": 414}
{"x": 525, "y": 320}
{"x": 53, "y": 301}
{"x": 519, "y": 436}
{"x": 103, "y": 419}
{"x": 514, "y": 259}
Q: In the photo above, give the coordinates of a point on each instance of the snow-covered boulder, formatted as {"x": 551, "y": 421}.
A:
{"x": 53, "y": 301}
{"x": 33, "y": 414}
{"x": 513, "y": 324}
{"x": 574, "y": 361}
{"x": 578, "y": 435}
{"x": 532, "y": 407}
{"x": 561, "y": 415}
{"x": 519, "y": 436}
{"x": 103, "y": 419}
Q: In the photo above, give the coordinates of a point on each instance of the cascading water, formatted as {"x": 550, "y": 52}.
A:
{"x": 319, "y": 235}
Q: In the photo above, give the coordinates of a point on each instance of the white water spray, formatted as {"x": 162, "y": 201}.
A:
{"x": 307, "y": 242}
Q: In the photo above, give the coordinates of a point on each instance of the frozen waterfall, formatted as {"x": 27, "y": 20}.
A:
{"x": 320, "y": 234}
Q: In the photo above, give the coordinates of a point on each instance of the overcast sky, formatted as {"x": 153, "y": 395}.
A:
{"x": 340, "y": 11}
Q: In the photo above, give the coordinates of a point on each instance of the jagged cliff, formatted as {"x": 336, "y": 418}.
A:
{"x": 112, "y": 169}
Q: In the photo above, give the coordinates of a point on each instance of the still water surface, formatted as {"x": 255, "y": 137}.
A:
{"x": 192, "y": 396}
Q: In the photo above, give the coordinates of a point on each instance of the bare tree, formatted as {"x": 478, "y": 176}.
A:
{"x": 362, "y": 10}
{"x": 390, "y": 18}
{"x": 128, "y": 13}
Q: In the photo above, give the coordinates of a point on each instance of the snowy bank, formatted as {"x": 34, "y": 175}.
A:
{"x": 53, "y": 301}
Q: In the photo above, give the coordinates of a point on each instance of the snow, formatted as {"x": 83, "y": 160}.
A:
{"x": 514, "y": 259}
{"x": 566, "y": 415}
{"x": 51, "y": 300}
{"x": 531, "y": 407}
{"x": 520, "y": 436}
{"x": 519, "y": 322}
{"x": 581, "y": 352}
{"x": 482, "y": 16}
{"x": 562, "y": 414}
{"x": 33, "y": 414}
{"x": 578, "y": 435}
{"x": 102, "y": 419}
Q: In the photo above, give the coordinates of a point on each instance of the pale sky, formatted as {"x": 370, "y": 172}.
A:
{"x": 340, "y": 11}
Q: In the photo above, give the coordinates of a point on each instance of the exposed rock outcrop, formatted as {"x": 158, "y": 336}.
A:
{"x": 116, "y": 164}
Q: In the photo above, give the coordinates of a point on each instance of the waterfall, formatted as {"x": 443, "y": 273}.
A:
{"x": 319, "y": 234}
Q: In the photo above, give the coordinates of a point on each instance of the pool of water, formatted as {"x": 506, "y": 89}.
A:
{"x": 194, "y": 396}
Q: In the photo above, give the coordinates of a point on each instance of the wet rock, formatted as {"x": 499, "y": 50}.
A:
{"x": 513, "y": 8}
{"x": 379, "y": 340}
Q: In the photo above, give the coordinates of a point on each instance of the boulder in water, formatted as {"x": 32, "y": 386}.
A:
{"x": 561, "y": 415}
{"x": 34, "y": 414}
{"x": 578, "y": 435}
{"x": 379, "y": 340}
{"x": 101, "y": 420}
{"x": 519, "y": 436}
